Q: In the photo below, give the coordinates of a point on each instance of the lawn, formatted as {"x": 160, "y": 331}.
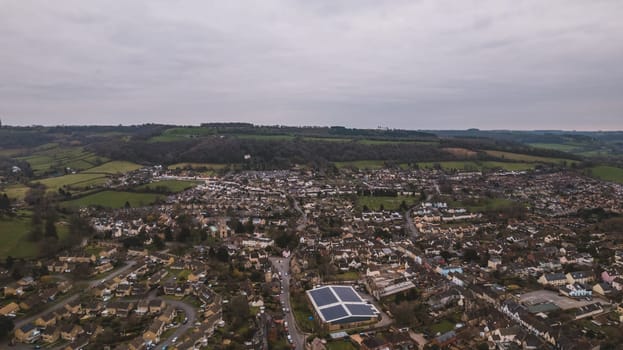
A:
{"x": 346, "y": 276}
{"x": 608, "y": 173}
{"x": 113, "y": 199}
{"x": 442, "y": 327}
{"x": 389, "y": 203}
{"x": 362, "y": 164}
{"x": 171, "y": 186}
{"x": 14, "y": 236}
{"x": 114, "y": 167}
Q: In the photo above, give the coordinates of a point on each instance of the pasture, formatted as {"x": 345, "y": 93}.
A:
{"x": 388, "y": 203}
{"x": 114, "y": 167}
{"x": 54, "y": 158}
{"x": 528, "y": 158}
{"x": 114, "y": 199}
{"x": 608, "y": 173}
{"x": 361, "y": 164}
{"x": 169, "y": 186}
{"x": 14, "y": 236}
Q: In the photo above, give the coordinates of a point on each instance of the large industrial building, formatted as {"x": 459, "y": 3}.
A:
{"x": 341, "y": 307}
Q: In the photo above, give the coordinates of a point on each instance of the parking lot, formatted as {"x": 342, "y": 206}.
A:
{"x": 544, "y": 296}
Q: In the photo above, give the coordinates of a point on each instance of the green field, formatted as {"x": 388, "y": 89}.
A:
{"x": 608, "y": 173}
{"x": 114, "y": 167}
{"x": 442, "y": 327}
{"x": 52, "y": 157}
{"x": 361, "y": 164}
{"x": 389, "y": 203}
{"x": 180, "y": 133}
{"x": 16, "y": 191}
{"x": 477, "y": 166}
{"x": 265, "y": 137}
{"x": 172, "y": 186}
{"x": 73, "y": 181}
{"x": 555, "y": 146}
{"x": 528, "y": 158}
{"x": 214, "y": 166}
{"x": 390, "y": 142}
{"x": 483, "y": 204}
{"x": 14, "y": 237}
{"x": 113, "y": 199}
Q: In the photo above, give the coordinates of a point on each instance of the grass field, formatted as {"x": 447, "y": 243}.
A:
{"x": 214, "y": 166}
{"x": 113, "y": 199}
{"x": 73, "y": 181}
{"x": 389, "y": 203}
{"x": 442, "y": 327}
{"x": 391, "y": 142}
{"x": 528, "y": 158}
{"x": 555, "y": 146}
{"x": 177, "y": 134}
{"x": 362, "y": 164}
{"x": 265, "y": 137}
{"x": 608, "y": 173}
{"x": 52, "y": 157}
{"x": 16, "y": 191}
{"x": 14, "y": 237}
{"x": 346, "y": 276}
{"x": 114, "y": 167}
{"x": 477, "y": 166}
{"x": 172, "y": 186}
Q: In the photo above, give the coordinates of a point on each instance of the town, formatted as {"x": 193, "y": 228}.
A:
{"x": 356, "y": 258}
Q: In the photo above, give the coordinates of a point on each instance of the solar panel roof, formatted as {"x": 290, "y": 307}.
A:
{"x": 333, "y": 312}
{"x": 323, "y": 296}
{"x": 347, "y": 294}
{"x": 361, "y": 309}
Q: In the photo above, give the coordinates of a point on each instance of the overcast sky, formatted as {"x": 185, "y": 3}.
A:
{"x": 430, "y": 64}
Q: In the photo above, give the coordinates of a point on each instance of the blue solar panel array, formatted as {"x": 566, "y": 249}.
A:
{"x": 323, "y": 296}
{"x": 347, "y": 294}
{"x": 361, "y": 309}
{"x": 333, "y": 312}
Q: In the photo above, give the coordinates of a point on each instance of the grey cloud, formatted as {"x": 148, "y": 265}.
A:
{"x": 425, "y": 64}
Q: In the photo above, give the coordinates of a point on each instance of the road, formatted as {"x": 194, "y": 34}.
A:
{"x": 19, "y": 323}
{"x": 283, "y": 266}
{"x": 189, "y": 311}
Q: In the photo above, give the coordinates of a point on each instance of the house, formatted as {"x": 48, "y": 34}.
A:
{"x": 73, "y": 308}
{"x": 13, "y": 289}
{"x": 576, "y": 290}
{"x": 142, "y": 307}
{"x": 580, "y": 277}
{"x": 617, "y": 283}
{"x": 78, "y": 344}
{"x": 153, "y": 333}
{"x": 168, "y": 314}
{"x": 70, "y": 332}
{"x": 46, "y": 320}
{"x": 51, "y": 334}
{"x": 553, "y": 279}
{"x": 27, "y": 333}
{"x": 30, "y": 302}
{"x": 156, "y": 306}
{"x": 9, "y": 309}
{"x": 603, "y": 288}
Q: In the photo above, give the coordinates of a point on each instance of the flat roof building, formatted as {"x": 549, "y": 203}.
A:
{"x": 341, "y": 307}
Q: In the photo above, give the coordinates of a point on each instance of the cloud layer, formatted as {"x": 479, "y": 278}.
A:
{"x": 407, "y": 64}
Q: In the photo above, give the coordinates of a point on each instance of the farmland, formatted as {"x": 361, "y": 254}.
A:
{"x": 114, "y": 199}
{"x": 528, "y": 158}
{"x": 214, "y": 166}
{"x": 54, "y": 158}
{"x": 477, "y": 165}
{"x": 114, "y": 167}
{"x": 362, "y": 164}
{"x": 73, "y": 181}
{"x": 555, "y": 146}
{"x": 608, "y": 173}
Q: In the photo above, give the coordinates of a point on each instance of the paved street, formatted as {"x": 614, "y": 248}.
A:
{"x": 284, "y": 267}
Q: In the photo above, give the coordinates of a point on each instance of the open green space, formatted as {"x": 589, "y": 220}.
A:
{"x": 14, "y": 233}
{"x": 390, "y": 142}
{"x": 169, "y": 186}
{"x": 346, "y": 276}
{"x": 73, "y": 181}
{"x": 555, "y": 146}
{"x": 114, "y": 199}
{"x": 214, "y": 166}
{"x": 388, "y": 203}
{"x": 608, "y": 173}
{"x": 470, "y": 165}
{"x": 528, "y": 158}
{"x": 114, "y": 167}
{"x": 52, "y": 157}
{"x": 442, "y": 327}
{"x": 265, "y": 137}
{"x": 17, "y": 191}
{"x": 361, "y": 164}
